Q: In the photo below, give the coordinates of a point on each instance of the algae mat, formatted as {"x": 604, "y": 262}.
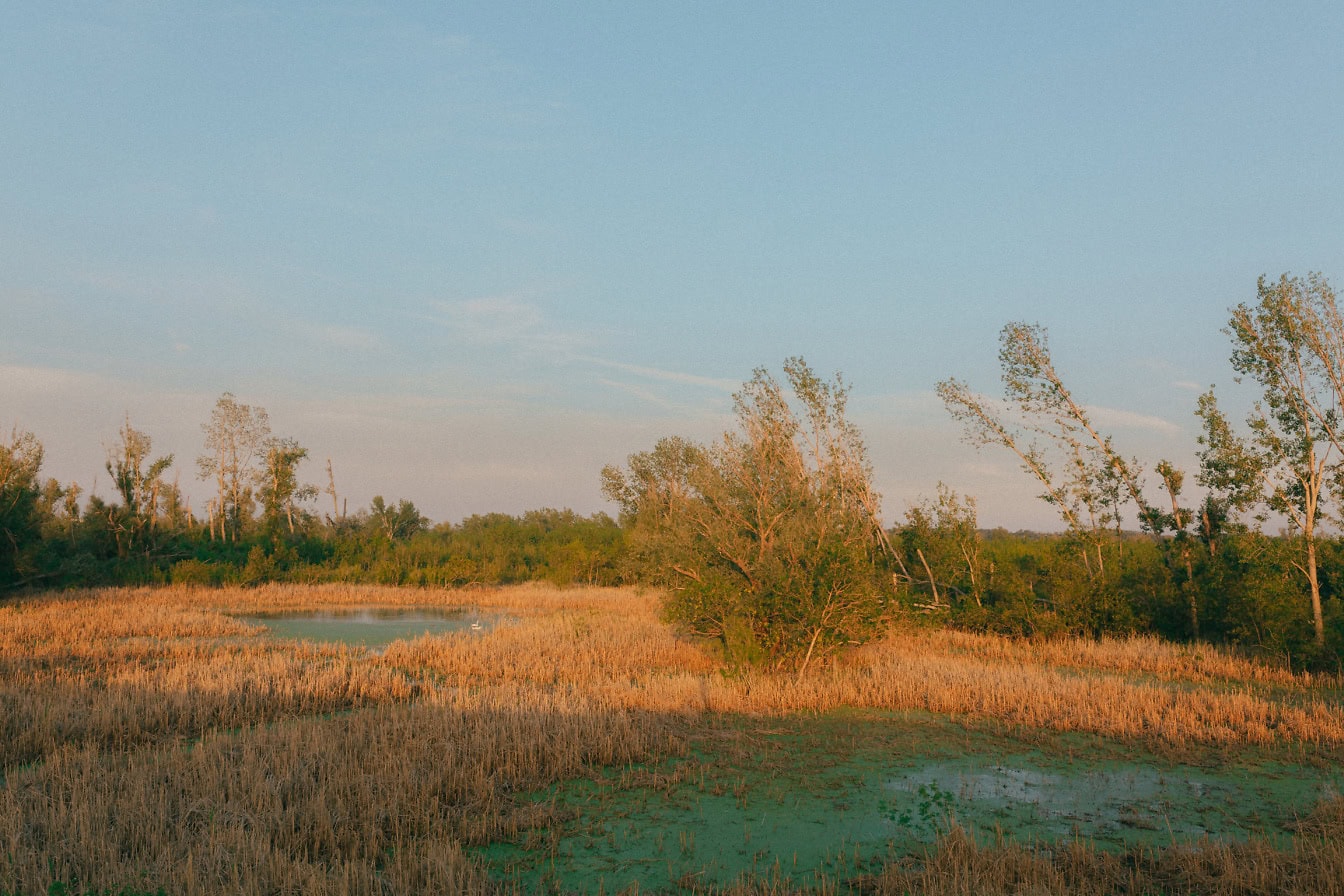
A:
{"x": 835, "y": 796}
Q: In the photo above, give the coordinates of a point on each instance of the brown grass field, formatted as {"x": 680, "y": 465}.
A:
{"x": 149, "y": 740}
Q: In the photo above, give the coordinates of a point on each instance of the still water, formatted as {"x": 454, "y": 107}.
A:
{"x": 373, "y": 627}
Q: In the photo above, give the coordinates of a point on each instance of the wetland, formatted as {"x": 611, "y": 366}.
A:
{"x": 163, "y": 740}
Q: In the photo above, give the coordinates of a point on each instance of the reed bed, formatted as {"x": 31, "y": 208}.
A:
{"x": 1135, "y": 655}
{"x": 374, "y": 802}
{"x": 958, "y": 866}
{"x": 150, "y": 739}
{"x": 139, "y": 699}
{"x": 1136, "y": 690}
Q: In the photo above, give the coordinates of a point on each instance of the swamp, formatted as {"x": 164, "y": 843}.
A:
{"x": 537, "y": 739}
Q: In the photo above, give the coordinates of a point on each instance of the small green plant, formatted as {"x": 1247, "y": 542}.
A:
{"x": 930, "y": 815}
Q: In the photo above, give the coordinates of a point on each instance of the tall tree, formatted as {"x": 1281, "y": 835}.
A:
{"x": 1290, "y": 342}
{"x": 769, "y": 537}
{"x": 1177, "y": 522}
{"x": 1085, "y": 478}
{"x": 139, "y": 481}
{"x": 20, "y": 461}
{"x": 396, "y": 521}
{"x": 278, "y": 482}
{"x": 235, "y": 438}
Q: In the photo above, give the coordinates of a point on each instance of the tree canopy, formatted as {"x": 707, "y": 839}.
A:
{"x": 769, "y": 539}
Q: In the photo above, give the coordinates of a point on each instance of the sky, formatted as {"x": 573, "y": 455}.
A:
{"x": 473, "y": 252}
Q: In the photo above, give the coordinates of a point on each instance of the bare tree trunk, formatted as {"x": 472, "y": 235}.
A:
{"x": 971, "y": 570}
{"x": 933, "y": 584}
{"x": 1190, "y": 588}
{"x": 810, "y": 647}
{"x": 331, "y": 490}
{"x": 1318, "y": 620}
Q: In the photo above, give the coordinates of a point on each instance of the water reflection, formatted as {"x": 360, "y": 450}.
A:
{"x": 373, "y": 627}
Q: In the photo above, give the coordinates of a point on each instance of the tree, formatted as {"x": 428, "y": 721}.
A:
{"x": 1085, "y": 479}
{"x": 1178, "y": 522}
{"x": 1290, "y": 342}
{"x": 20, "y": 461}
{"x": 941, "y": 541}
{"x": 769, "y": 539}
{"x": 396, "y": 522}
{"x": 235, "y": 438}
{"x": 138, "y": 480}
{"x": 278, "y": 482}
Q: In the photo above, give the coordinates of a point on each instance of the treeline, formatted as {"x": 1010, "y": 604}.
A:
{"x": 770, "y": 541}
{"x": 1247, "y": 587}
{"x": 262, "y": 524}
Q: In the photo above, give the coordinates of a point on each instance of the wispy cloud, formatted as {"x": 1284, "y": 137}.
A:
{"x": 1189, "y": 385}
{"x": 47, "y": 381}
{"x": 1130, "y": 420}
{"x": 666, "y": 376}
{"x": 639, "y": 392}
{"x": 506, "y": 320}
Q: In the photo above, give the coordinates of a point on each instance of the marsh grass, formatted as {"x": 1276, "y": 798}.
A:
{"x": 148, "y": 738}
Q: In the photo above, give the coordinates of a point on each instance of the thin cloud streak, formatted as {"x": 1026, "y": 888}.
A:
{"x": 1131, "y": 420}
{"x": 504, "y": 320}
{"x": 667, "y": 376}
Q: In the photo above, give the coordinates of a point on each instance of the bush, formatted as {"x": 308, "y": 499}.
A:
{"x": 768, "y": 540}
{"x": 194, "y": 572}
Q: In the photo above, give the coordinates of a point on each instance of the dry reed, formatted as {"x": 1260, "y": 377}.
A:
{"x": 149, "y": 739}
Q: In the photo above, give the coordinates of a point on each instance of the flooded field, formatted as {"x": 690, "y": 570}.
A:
{"x": 162, "y": 740}
{"x": 845, "y": 794}
{"x": 372, "y": 627}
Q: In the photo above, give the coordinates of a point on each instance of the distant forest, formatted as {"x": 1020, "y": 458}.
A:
{"x": 1125, "y": 562}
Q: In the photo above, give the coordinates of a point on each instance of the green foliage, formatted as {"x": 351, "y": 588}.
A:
{"x": 768, "y": 539}
{"x": 939, "y": 551}
{"x": 1290, "y": 343}
{"x": 139, "y": 482}
{"x": 279, "y": 488}
{"x": 20, "y": 524}
{"x": 195, "y": 572}
{"x": 772, "y": 530}
{"x": 235, "y": 439}
{"x": 932, "y": 814}
{"x": 1086, "y": 480}
{"x": 396, "y": 522}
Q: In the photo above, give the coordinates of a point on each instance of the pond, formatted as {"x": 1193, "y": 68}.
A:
{"x": 373, "y": 627}
{"x": 838, "y": 795}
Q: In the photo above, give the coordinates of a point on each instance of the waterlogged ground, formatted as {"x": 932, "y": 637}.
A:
{"x": 371, "y": 627}
{"x": 838, "y": 794}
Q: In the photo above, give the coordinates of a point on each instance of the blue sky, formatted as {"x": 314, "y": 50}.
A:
{"x": 474, "y": 251}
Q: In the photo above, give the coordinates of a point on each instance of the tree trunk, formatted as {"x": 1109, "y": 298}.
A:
{"x": 1190, "y": 587}
{"x": 1318, "y": 620}
{"x": 928, "y": 572}
{"x": 810, "y": 647}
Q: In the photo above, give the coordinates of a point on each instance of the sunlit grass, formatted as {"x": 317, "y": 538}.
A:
{"x": 150, "y": 739}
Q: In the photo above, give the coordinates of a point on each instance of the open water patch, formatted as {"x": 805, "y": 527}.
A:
{"x": 373, "y": 627}
{"x": 836, "y": 796}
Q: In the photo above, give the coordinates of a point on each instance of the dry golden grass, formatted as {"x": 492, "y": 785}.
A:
{"x": 379, "y": 801}
{"x": 1138, "y": 689}
{"x": 959, "y": 867}
{"x": 149, "y": 739}
{"x": 1138, "y": 655}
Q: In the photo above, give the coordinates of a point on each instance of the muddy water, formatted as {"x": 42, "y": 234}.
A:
{"x": 372, "y": 627}
{"x": 836, "y": 796}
